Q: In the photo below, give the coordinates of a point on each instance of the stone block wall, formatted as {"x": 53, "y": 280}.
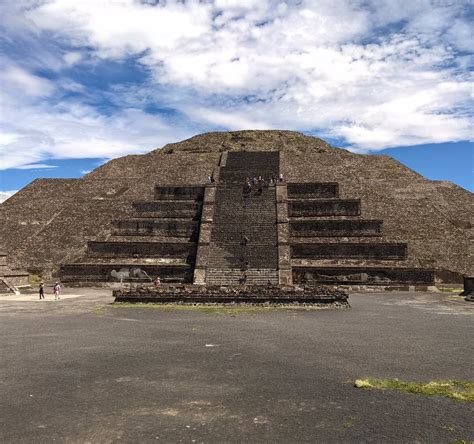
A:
{"x": 324, "y": 207}
{"x": 160, "y": 240}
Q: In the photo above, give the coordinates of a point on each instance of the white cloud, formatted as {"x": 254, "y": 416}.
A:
{"x": 73, "y": 130}
{"x": 376, "y": 73}
{"x": 71, "y": 58}
{"x": 4, "y": 195}
{"x": 15, "y": 78}
{"x": 36, "y": 166}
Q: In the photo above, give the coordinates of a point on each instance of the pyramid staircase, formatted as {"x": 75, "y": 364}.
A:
{"x": 244, "y": 246}
{"x": 160, "y": 240}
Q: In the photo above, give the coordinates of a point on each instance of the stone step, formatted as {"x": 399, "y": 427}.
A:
{"x": 254, "y": 260}
{"x": 250, "y": 242}
{"x": 245, "y": 215}
{"x": 313, "y": 190}
{"x": 232, "y": 227}
{"x": 363, "y": 275}
{"x": 90, "y": 273}
{"x": 238, "y": 235}
{"x": 338, "y": 239}
{"x": 324, "y": 207}
{"x": 159, "y": 238}
{"x": 255, "y": 203}
{"x": 221, "y": 275}
{"x": 166, "y": 206}
{"x": 170, "y": 214}
{"x": 193, "y": 192}
{"x": 249, "y": 250}
{"x": 229, "y": 257}
{"x": 395, "y": 251}
{"x": 266, "y": 197}
{"x": 241, "y": 176}
{"x": 234, "y": 276}
{"x": 241, "y": 281}
{"x": 236, "y": 188}
{"x": 347, "y": 227}
{"x": 132, "y": 261}
{"x": 242, "y": 263}
{"x": 147, "y": 249}
{"x": 238, "y": 231}
{"x": 176, "y": 228}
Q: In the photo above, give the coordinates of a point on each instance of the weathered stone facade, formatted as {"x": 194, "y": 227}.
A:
{"x": 50, "y": 221}
{"x": 11, "y": 280}
{"x": 256, "y": 294}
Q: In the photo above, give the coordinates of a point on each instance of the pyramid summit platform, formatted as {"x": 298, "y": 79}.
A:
{"x": 336, "y": 218}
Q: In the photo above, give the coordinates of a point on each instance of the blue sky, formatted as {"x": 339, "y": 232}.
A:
{"x": 83, "y": 82}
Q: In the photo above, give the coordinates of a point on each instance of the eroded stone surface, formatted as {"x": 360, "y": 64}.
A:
{"x": 50, "y": 221}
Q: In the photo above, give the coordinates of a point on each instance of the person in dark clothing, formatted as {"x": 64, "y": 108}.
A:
{"x": 41, "y": 291}
{"x": 247, "y": 189}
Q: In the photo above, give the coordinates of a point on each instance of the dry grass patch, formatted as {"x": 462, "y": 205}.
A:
{"x": 457, "y": 390}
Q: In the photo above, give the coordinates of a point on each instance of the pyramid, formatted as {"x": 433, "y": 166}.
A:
{"x": 335, "y": 218}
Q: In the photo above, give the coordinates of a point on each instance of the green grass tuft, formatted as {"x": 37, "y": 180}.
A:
{"x": 455, "y": 298}
{"x": 214, "y": 309}
{"x": 457, "y": 390}
{"x": 349, "y": 422}
{"x": 99, "y": 311}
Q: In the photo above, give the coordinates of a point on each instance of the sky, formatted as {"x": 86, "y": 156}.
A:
{"x": 85, "y": 81}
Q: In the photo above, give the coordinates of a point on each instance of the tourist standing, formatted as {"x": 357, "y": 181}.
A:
{"x": 157, "y": 281}
{"x": 56, "y": 291}
{"x": 247, "y": 189}
{"x": 41, "y": 290}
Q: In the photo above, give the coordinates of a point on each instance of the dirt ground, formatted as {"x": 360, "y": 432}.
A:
{"x": 80, "y": 370}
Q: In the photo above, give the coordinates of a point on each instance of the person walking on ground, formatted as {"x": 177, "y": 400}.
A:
{"x": 41, "y": 291}
{"x": 56, "y": 291}
{"x": 281, "y": 177}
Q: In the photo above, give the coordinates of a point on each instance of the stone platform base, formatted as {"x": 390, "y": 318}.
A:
{"x": 244, "y": 294}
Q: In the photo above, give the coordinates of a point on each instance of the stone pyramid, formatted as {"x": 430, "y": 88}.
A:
{"x": 336, "y": 217}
